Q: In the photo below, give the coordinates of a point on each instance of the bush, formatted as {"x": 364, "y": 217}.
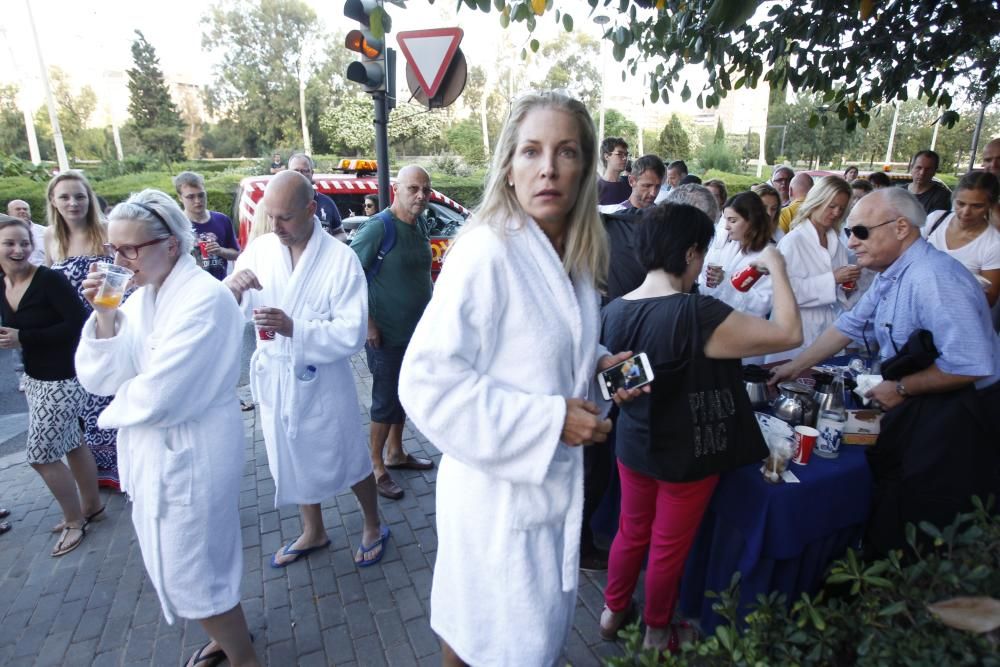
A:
{"x": 735, "y": 183}
{"x": 450, "y": 165}
{"x": 717, "y": 156}
{"x": 869, "y": 613}
{"x": 467, "y": 190}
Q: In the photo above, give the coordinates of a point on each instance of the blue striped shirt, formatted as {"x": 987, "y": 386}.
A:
{"x": 928, "y": 289}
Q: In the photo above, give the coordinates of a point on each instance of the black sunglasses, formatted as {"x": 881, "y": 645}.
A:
{"x": 863, "y": 232}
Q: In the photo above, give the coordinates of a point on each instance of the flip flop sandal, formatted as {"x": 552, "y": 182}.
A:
{"x": 298, "y": 553}
{"x": 61, "y": 548}
{"x": 4, "y": 527}
{"x": 99, "y": 515}
{"x": 4, "y": 513}
{"x": 380, "y": 542}
{"x": 246, "y": 406}
{"x": 207, "y": 660}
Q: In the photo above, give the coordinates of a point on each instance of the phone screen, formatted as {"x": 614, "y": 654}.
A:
{"x": 629, "y": 374}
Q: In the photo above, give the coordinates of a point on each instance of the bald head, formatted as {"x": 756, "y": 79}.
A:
{"x": 289, "y": 202}
{"x": 412, "y": 189}
{"x": 800, "y": 185}
{"x": 991, "y": 157}
{"x": 18, "y": 208}
{"x": 893, "y": 218}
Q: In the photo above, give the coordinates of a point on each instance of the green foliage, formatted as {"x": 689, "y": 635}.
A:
{"x": 857, "y": 54}
{"x": 720, "y": 133}
{"x": 466, "y": 190}
{"x": 73, "y": 110}
{"x": 673, "y": 142}
{"x": 13, "y": 166}
{"x": 154, "y": 115}
{"x": 868, "y": 614}
{"x": 449, "y": 165}
{"x": 13, "y": 137}
{"x": 735, "y": 183}
{"x": 617, "y": 125}
{"x": 466, "y": 139}
{"x": 349, "y": 128}
{"x": 568, "y": 63}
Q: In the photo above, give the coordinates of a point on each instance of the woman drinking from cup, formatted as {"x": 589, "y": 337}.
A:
{"x": 74, "y": 240}
{"x": 670, "y": 451}
{"x": 824, "y": 283}
{"x": 498, "y": 375}
{"x": 42, "y": 315}
{"x": 171, "y": 357}
{"x": 966, "y": 234}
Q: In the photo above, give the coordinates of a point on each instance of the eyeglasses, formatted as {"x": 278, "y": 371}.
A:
{"x": 863, "y": 232}
{"x": 620, "y": 154}
{"x": 130, "y": 251}
{"x": 368, "y": 204}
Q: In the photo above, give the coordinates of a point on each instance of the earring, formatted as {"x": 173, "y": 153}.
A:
{"x": 510, "y": 184}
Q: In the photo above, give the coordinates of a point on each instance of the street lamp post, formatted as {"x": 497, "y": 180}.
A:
{"x": 602, "y": 21}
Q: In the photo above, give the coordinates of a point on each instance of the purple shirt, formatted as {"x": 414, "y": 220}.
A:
{"x": 218, "y": 228}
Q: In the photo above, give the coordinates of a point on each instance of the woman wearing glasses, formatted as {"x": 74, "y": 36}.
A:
{"x": 371, "y": 205}
{"x": 816, "y": 256}
{"x": 42, "y": 316}
{"x": 171, "y": 356}
{"x": 74, "y": 240}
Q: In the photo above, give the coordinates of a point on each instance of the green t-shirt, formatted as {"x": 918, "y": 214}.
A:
{"x": 399, "y": 293}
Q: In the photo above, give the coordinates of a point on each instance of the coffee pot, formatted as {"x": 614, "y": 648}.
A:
{"x": 795, "y": 404}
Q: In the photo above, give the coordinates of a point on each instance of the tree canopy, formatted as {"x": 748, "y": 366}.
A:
{"x": 856, "y": 54}
{"x": 155, "y": 119}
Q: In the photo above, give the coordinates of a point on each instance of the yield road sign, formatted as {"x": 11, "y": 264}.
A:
{"x": 429, "y": 53}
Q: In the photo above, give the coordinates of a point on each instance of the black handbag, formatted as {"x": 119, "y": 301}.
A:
{"x": 917, "y": 354}
{"x": 700, "y": 418}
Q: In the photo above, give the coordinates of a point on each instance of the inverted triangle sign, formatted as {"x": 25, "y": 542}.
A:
{"x": 429, "y": 53}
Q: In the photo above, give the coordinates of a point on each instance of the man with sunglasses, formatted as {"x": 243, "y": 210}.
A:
{"x": 211, "y": 228}
{"x": 937, "y": 445}
{"x": 781, "y": 179}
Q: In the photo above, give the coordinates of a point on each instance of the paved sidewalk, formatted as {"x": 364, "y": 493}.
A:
{"x": 96, "y": 605}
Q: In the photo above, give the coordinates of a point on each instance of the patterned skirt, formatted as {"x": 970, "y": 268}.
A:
{"x": 53, "y": 418}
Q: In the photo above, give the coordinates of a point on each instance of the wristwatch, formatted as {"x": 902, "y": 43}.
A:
{"x": 901, "y": 390}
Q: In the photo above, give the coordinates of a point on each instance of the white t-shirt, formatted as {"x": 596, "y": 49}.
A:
{"x": 983, "y": 254}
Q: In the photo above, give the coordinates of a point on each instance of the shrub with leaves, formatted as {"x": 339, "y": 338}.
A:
{"x": 936, "y": 605}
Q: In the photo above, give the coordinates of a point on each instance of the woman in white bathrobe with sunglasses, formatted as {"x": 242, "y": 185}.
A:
{"x": 171, "y": 357}
{"x": 500, "y": 376}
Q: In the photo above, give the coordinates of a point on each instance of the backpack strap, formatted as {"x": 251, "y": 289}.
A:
{"x": 937, "y": 223}
{"x": 388, "y": 241}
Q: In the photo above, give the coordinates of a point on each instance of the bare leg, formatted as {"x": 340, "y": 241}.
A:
{"x": 313, "y": 532}
{"x": 395, "y": 453}
{"x": 229, "y": 632}
{"x": 60, "y": 481}
{"x": 449, "y": 658}
{"x": 81, "y": 462}
{"x": 367, "y": 497}
{"x": 378, "y": 434}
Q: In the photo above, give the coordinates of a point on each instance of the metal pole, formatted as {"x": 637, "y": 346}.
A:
{"x": 53, "y": 116}
{"x": 382, "y": 147}
{"x": 892, "y": 135}
{"x": 975, "y": 137}
{"x": 29, "y": 122}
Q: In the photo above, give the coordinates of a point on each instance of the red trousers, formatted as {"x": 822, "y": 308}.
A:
{"x": 663, "y": 518}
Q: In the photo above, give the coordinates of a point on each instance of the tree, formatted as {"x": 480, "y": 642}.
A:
{"x": 349, "y": 127}
{"x": 158, "y": 124}
{"x": 572, "y": 68}
{"x": 673, "y": 141}
{"x": 857, "y": 55}
{"x": 617, "y": 125}
{"x": 720, "y": 133}
{"x": 13, "y": 136}
{"x": 265, "y": 48}
{"x": 74, "y": 111}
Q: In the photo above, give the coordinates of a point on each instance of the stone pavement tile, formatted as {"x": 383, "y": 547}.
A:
{"x": 432, "y": 660}
{"x": 338, "y": 645}
{"x": 68, "y": 617}
{"x": 279, "y": 624}
{"x": 281, "y": 653}
{"x": 422, "y": 639}
{"x": 331, "y": 611}
{"x": 316, "y": 659}
{"x": 108, "y": 659}
{"x": 167, "y": 651}
{"x": 31, "y": 640}
{"x": 401, "y": 655}
{"x": 391, "y": 630}
{"x": 275, "y": 593}
{"x": 359, "y": 620}
{"x": 369, "y": 651}
{"x": 577, "y": 653}
{"x": 324, "y": 581}
{"x": 350, "y": 588}
{"x": 307, "y": 633}
{"x": 79, "y": 653}
{"x": 46, "y": 610}
{"x": 91, "y": 624}
{"x": 413, "y": 558}
{"x": 422, "y": 583}
{"x": 139, "y": 646}
{"x": 409, "y": 605}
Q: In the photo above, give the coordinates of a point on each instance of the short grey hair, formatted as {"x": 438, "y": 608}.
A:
{"x": 312, "y": 163}
{"x": 782, "y": 167}
{"x": 695, "y": 195}
{"x": 190, "y": 179}
{"x": 160, "y": 214}
{"x": 903, "y": 204}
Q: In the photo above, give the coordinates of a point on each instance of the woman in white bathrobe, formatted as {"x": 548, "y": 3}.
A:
{"x": 824, "y": 283}
{"x": 498, "y": 376}
{"x": 171, "y": 357}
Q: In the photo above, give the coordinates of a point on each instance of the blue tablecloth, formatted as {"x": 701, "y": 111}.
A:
{"x": 780, "y": 537}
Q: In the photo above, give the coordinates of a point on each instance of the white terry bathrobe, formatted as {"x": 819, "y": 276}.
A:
{"x": 756, "y": 301}
{"x": 173, "y": 366}
{"x": 312, "y": 428}
{"x": 506, "y": 338}
{"x": 810, "y": 271}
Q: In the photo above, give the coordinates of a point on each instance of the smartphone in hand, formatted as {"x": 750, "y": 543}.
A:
{"x": 632, "y": 373}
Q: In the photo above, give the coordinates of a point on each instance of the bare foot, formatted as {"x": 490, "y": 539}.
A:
{"x": 286, "y": 554}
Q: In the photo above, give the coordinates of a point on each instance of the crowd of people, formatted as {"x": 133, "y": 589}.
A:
{"x": 565, "y": 269}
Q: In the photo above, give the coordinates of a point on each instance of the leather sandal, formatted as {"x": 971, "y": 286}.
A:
{"x": 99, "y": 515}
{"x": 388, "y": 488}
{"x": 62, "y": 548}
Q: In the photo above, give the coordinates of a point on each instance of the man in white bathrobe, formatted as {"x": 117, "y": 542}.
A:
{"x": 308, "y": 297}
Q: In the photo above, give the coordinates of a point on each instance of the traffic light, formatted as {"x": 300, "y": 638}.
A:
{"x": 369, "y": 41}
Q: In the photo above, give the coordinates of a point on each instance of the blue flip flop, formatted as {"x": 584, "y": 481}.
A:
{"x": 383, "y": 538}
{"x": 298, "y": 553}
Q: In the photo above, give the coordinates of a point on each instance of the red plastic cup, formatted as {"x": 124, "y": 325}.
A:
{"x": 264, "y": 334}
{"x": 203, "y": 246}
{"x": 745, "y": 278}
{"x": 849, "y": 285}
{"x": 805, "y": 440}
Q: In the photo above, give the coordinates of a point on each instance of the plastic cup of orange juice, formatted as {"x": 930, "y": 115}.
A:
{"x": 113, "y": 288}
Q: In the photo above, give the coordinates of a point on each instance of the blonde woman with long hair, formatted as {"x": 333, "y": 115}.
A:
{"x": 74, "y": 240}
{"x": 825, "y": 284}
{"x": 498, "y": 376}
